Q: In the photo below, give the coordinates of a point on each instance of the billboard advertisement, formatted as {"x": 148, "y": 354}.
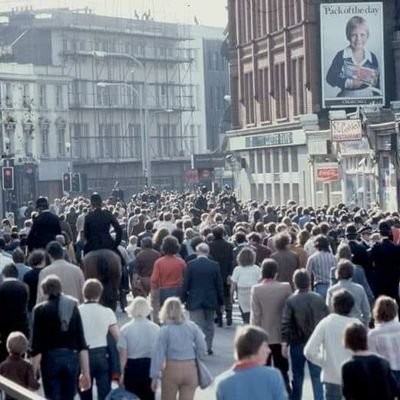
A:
{"x": 343, "y": 130}
{"x": 352, "y": 59}
{"x": 326, "y": 172}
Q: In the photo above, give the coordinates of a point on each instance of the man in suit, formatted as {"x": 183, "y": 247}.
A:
{"x": 70, "y": 275}
{"x": 267, "y": 303}
{"x": 97, "y": 228}
{"x": 202, "y": 292}
{"x": 221, "y": 251}
{"x": 13, "y": 307}
{"x": 360, "y": 255}
{"x": 45, "y": 227}
{"x": 385, "y": 260}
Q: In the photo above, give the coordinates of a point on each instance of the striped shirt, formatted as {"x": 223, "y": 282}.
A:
{"x": 385, "y": 341}
{"x": 319, "y": 265}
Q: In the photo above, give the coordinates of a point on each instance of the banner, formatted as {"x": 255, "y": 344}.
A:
{"x": 326, "y": 172}
{"x": 352, "y": 59}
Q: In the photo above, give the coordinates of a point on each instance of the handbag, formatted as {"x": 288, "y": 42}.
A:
{"x": 203, "y": 374}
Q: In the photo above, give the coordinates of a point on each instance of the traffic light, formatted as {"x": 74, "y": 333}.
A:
{"x": 76, "y": 183}
{"x": 66, "y": 182}
{"x": 8, "y": 178}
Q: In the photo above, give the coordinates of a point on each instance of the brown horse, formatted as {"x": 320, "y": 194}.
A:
{"x": 104, "y": 265}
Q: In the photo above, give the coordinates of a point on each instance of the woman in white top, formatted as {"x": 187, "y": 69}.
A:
{"x": 245, "y": 275}
{"x": 97, "y": 322}
{"x": 136, "y": 344}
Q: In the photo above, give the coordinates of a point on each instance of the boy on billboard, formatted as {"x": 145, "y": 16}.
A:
{"x": 355, "y": 70}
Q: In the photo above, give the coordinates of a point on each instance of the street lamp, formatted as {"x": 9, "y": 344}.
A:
{"x": 143, "y": 122}
{"x": 145, "y": 134}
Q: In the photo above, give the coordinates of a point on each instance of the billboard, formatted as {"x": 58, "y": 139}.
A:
{"x": 343, "y": 130}
{"x": 352, "y": 59}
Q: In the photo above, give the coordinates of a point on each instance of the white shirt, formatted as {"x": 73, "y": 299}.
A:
{"x": 245, "y": 278}
{"x": 325, "y": 347}
{"x": 96, "y": 321}
{"x": 139, "y": 337}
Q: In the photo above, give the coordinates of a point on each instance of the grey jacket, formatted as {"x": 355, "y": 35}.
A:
{"x": 302, "y": 312}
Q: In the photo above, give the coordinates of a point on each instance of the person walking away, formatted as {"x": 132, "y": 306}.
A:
{"x": 267, "y": 303}
{"x": 179, "y": 344}
{"x": 325, "y": 347}
{"x": 303, "y": 310}
{"x": 97, "y": 322}
{"x": 366, "y": 376}
{"x": 202, "y": 292}
{"x": 244, "y": 277}
{"x": 136, "y": 343}
{"x": 249, "y": 378}
{"x": 58, "y": 345}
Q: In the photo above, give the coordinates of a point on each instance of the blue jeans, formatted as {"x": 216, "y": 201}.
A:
{"x": 60, "y": 369}
{"x": 332, "y": 391}
{"x": 99, "y": 370}
{"x": 321, "y": 289}
{"x": 169, "y": 292}
{"x": 298, "y": 361}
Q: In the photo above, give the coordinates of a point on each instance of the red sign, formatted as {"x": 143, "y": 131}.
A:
{"x": 326, "y": 173}
{"x": 192, "y": 176}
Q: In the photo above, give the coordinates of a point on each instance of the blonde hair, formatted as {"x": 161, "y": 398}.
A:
{"x": 17, "y": 343}
{"x": 139, "y": 308}
{"x": 172, "y": 310}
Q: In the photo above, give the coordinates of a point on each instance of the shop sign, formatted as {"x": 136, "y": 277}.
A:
{"x": 326, "y": 172}
{"x": 346, "y": 130}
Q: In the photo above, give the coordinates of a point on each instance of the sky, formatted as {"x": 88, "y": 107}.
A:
{"x": 207, "y": 12}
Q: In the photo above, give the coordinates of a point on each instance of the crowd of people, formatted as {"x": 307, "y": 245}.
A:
{"x": 316, "y": 286}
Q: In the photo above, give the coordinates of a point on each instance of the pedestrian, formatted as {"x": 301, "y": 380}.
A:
{"x": 45, "y": 227}
{"x": 98, "y": 321}
{"x": 13, "y": 307}
{"x": 366, "y": 376}
{"x": 58, "y": 345}
{"x": 325, "y": 346}
{"x": 244, "y": 277}
{"x": 202, "y": 292}
{"x": 15, "y": 367}
{"x": 303, "y": 310}
{"x": 384, "y": 339}
{"x": 136, "y": 344}
{"x": 179, "y": 344}
{"x": 18, "y": 257}
{"x": 250, "y": 379}
{"x": 267, "y": 303}
{"x": 221, "y": 251}
{"x": 70, "y": 275}
{"x": 319, "y": 265}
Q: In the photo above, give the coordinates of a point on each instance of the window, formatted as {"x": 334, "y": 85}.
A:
{"x": 285, "y": 159}
{"x": 260, "y": 194}
{"x": 277, "y": 194}
{"x": 275, "y": 155}
{"x": 249, "y": 97}
{"x": 296, "y": 192}
{"x": 61, "y": 140}
{"x": 263, "y": 95}
{"x": 286, "y": 192}
{"x": 135, "y": 141}
{"x": 42, "y": 95}
{"x": 9, "y": 96}
{"x": 268, "y": 192}
{"x": 268, "y": 161}
{"x": 295, "y": 159}
{"x": 297, "y": 86}
{"x": 26, "y": 97}
{"x": 44, "y": 133}
{"x": 252, "y": 162}
{"x": 280, "y": 90}
{"x": 253, "y": 189}
{"x": 260, "y": 169}
{"x": 59, "y": 96}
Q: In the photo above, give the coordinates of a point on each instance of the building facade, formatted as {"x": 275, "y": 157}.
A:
{"x": 279, "y": 125}
{"x": 137, "y": 109}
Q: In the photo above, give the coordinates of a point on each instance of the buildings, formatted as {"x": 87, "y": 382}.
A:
{"x": 137, "y": 107}
{"x": 280, "y": 128}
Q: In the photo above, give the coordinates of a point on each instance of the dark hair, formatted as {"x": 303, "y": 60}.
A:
{"x": 36, "y": 258}
{"x": 146, "y": 243}
{"x": 269, "y": 268}
{"x": 282, "y": 240}
{"x": 246, "y": 257}
{"x": 170, "y": 245}
{"x": 345, "y": 269}
{"x": 95, "y": 200}
{"x": 218, "y": 232}
{"x": 248, "y": 340}
{"x": 148, "y": 225}
{"x": 2, "y": 243}
{"x": 342, "y": 302}
{"x": 18, "y": 255}
{"x": 255, "y": 237}
{"x": 301, "y": 279}
{"x": 385, "y": 309}
{"x": 356, "y": 337}
{"x": 321, "y": 243}
{"x": 178, "y": 233}
{"x": 240, "y": 237}
{"x": 10, "y": 271}
{"x": 51, "y": 285}
{"x": 196, "y": 241}
{"x": 55, "y": 250}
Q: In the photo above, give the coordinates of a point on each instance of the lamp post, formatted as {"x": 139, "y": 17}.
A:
{"x": 143, "y": 122}
{"x": 145, "y": 135}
